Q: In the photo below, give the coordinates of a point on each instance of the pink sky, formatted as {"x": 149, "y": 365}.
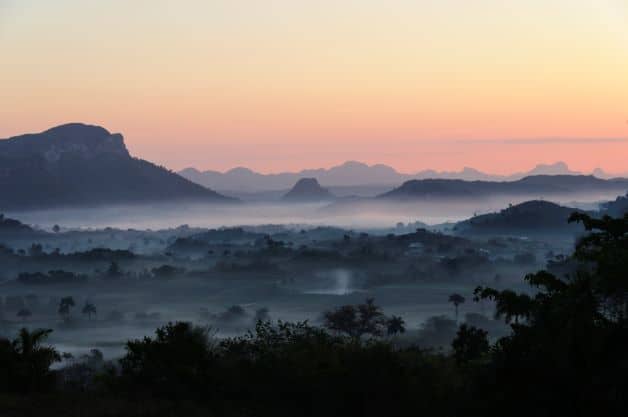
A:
{"x": 282, "y": 85}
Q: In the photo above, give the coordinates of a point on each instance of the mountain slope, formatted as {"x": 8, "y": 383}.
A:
{"x": 77, "y": 164}
{"x": 528, "y": 218}
{"x": 308, "y": 189}
{"x": 350, "y": 173}
{"x": 616, "y": 208}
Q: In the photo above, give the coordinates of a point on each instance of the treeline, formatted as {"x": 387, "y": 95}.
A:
{"x": 566, "y": 355}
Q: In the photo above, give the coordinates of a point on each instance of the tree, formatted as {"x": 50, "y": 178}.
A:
{"x": 606, "y": 249}
{"x": 29, "y": 370}
{"x": 65, "y": 305}
{"x": 470, "y": 344}
{"x": 174, "y": 361}
{"x": 36, "y": 250}
{"x": 508, "y": 304}
{"x": 24, "y": 313}
{"x": 456, "y": 300}
{"x": 569, "y": 335}
{"x": 343, "y": 320}
{"x": 56, "y": 228}
{"x": 357, "y": 321}
{"x": 89, "y": 309}
{"x": 394, "y": 325}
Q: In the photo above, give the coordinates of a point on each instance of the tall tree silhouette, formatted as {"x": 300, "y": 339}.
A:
{"x": 456, "y": 300}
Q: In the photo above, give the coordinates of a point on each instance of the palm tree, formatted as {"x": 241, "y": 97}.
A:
{"x": 395, "y": 325}
{"x": 89, "y": 309}
{"x": 29, "y": 351}
{"x": 456, "y": 300}
{"x": 28, "y": 342}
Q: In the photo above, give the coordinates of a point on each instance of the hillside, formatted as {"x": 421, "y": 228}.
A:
{"x": 529, "y": 218}
{"x": 78, "y": 164}
{"x": 616, "y": 208}
{"x": 533, "y": 186}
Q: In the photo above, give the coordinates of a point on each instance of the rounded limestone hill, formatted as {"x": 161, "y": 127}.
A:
{"x": 308, "y": 190}
{"x": 535, "y": 217}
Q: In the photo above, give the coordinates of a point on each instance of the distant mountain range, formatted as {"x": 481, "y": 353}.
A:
{"x": 537, "y": 185}
{"x": 82, "y": 165}
{"x": 78, "y": 164}
{"x": 353, "y": 173}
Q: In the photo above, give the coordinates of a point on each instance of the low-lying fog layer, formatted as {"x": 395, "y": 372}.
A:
{"x": 366, "y": 214}
{"x": 230, "y": 277}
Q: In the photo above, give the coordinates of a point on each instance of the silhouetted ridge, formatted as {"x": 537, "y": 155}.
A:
{"x": 78, "y": 164}
{"x": 530, "y": 217}
{"x": 353, "y": 173}
{"x": 532, "y": 185}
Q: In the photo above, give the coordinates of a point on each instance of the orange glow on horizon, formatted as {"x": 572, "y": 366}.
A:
{"x": 282, "y": 85}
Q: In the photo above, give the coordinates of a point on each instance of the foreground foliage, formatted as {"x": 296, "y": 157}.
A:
{"x": 566, "y": 356}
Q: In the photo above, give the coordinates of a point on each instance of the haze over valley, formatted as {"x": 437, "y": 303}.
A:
{"x": 313, "y": 208}
{"x": 146, "y": 245}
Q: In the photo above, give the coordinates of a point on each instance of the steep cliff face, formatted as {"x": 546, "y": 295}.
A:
{"x": 73, "y": 139}
{"x": 77, "y": 164}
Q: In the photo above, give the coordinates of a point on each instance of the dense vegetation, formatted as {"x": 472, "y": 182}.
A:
{"x": 566, "y": 355}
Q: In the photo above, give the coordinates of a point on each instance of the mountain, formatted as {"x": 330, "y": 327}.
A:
{"x": 600, "y": 173}
{"x": 528, "y": 218}
{"x": 546, "y": 185}
{"x": 616, "y": 208}
{"x": 558, "y": 168}
{"x": 308, "y": 189}
{"x": 241, "y": 179}
{"x": 352, "y": 173}
{"x": 78, "y": 164}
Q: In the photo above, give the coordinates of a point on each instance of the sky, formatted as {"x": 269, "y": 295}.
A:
{"x": 274, "y": 85}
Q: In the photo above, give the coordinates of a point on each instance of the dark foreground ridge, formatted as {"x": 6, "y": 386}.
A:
{"x": 78, "y": 164}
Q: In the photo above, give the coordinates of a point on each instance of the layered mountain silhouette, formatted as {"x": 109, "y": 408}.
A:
{"x": 78, "y": 164}
{"x": 528, "y": 218}
{"x": 536, "y": 185}
{"x": 308, "y": 189}
{"x": 243, "y": 179}
{"x": 354, "y": 173}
